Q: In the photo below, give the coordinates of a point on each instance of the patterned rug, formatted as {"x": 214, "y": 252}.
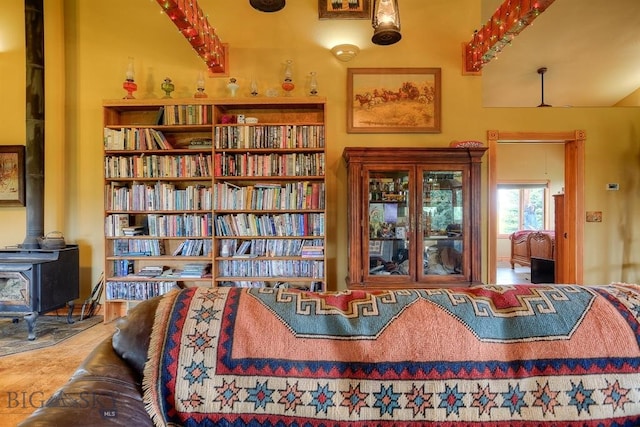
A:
{"x": 50, "y": 330}
{"x": 526, "y": 355}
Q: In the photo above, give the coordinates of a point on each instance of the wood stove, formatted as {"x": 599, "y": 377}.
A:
{"x": 37, "y": 281}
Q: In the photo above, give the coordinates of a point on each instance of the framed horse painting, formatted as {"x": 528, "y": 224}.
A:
{"x": 393, "y": 100}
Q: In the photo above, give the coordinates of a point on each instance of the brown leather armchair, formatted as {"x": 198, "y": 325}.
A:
{"x": 106, "y": 389}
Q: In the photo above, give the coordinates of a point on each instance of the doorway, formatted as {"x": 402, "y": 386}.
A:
{"x": 573, "y": 211}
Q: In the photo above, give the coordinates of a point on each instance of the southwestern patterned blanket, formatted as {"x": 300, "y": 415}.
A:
{"x": 524, "y": 355}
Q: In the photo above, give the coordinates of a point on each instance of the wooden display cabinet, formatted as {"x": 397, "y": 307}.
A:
{"x": 414, "y": 216}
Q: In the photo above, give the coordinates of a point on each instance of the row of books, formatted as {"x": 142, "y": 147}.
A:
{"x": 138, "y": 247}
{"x": 272, "y": 164}
{"x": 114, "y": 224}
{"x": 315, "y": 286}
{"x": 137, "y": 290}
{"x": 270, "y": 247}
{"x": 191, "y": 247}
{"x": 188, "y": 271}
{"x": 310, "y": 251}
{"x": 135, "y": 139}
{"x": 160, "y": 196}
{"x": 270, "y": 268}
{"x": 123, "y": 267}
{"x": 159, "y": 225}
{"x": 158, "y": 166}
{"x": 196, "y": 270}
{"x": 185, "y": 114}
{"x": 151, "y": 271}
{"x": 184, "y": 225}
{"x": 285, "y": 224}
{"x": 265, "y": 196}
{"x": 156, "y": 247}
{"x": 269, "y": 136}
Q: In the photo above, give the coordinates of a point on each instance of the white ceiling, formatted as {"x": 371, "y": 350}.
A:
{"x": 591, "y": 49}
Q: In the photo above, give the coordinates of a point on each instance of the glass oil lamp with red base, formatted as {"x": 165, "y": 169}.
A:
{"x": 129, "y": 84}
{"x": 200, "y": 87}
{"x": 288, "y": 84}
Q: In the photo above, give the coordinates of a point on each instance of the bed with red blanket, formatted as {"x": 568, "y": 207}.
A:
{"x": 508, "y": 355}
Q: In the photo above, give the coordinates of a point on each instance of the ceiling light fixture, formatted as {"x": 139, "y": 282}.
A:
{"x": 267, "y": 5}
{"x": 541, "y": 71}
{"x": 385, "y": 22}
{"x": 345, "y": 52}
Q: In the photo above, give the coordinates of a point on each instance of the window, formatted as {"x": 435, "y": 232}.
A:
{"x": 522, "y": 206}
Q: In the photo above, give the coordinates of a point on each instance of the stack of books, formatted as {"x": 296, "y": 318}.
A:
{"x": 151, "y": 271}
{"x": 312, "y": 251}
{"x": 196, "y": 269}
{"x": 133, "y": 230}
{"x": 197, "y": 143}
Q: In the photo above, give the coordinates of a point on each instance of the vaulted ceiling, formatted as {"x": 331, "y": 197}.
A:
{"x": 591, "y": 49}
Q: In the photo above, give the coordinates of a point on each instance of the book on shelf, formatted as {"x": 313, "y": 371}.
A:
{"x": 171, "y": 273}
{"x": 114, "y": 224}
{"x": 307, "y": 251}
{"x": 243, "y": 248}
{"x": 178, "y": 249}
{"x": 160, "y": 139}
{"x": 137, "y": 290}
{"x": 133, "y": 230}
{"x": 196, "y": 143}
{"x": 122, "y": 267}
{"x": 151, "y": 271}
{"x": 196, "y": 269}
{"x": 160, "y": 116}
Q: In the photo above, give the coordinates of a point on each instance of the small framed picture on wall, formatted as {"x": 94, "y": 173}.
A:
{"x": 12, "y": 175}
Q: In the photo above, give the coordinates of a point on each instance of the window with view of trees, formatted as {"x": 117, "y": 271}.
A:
{"x": 522, "y": 206}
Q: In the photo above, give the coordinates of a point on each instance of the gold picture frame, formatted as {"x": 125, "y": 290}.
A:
{"x": 344, "y": 9}
{"x": 12, "y": 175}
{"x": 394, "y": 100}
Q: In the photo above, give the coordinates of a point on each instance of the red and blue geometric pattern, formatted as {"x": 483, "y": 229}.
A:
{"x": 539, "y": 355}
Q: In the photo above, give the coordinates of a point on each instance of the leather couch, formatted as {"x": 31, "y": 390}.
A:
{"x": 106, "y": 389}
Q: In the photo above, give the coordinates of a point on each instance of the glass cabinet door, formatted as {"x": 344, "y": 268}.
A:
{"x": 442, "y": 223}
{"x": 388, "y": 225}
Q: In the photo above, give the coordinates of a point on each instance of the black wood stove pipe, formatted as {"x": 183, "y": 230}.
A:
{"x": 34, "y": 149}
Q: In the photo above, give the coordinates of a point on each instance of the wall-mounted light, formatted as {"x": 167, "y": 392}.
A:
{"x": 345, "y": 52}
{"x": 385, "y": 22}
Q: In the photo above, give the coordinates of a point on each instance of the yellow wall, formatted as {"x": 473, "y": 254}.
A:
{"x": 89, "y": 42}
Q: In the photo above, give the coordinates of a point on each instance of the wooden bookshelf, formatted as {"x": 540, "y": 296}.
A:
{"x": 215, "y": 185}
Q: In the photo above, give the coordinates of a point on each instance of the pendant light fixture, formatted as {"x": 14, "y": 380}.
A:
{"x": 541, "y": 71}
{"x": 267, "y": 5}
{"x": 385, "y": 22}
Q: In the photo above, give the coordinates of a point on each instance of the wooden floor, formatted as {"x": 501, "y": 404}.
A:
{"x": 505, "y": 275}
{"x": 28, "y": 379}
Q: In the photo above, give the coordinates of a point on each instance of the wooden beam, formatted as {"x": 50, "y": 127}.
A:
{"x": 509, "y": 19}
{"x": 192, "y": 23}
